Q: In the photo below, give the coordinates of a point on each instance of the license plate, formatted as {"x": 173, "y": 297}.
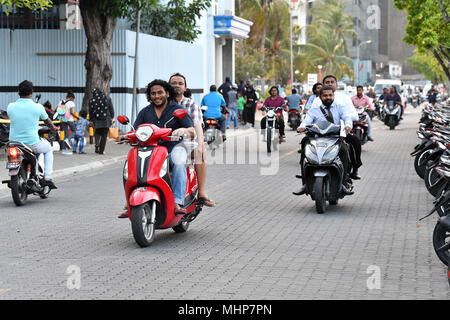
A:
{"x": 321, "y": 145}
{"x": 12, "y": 165}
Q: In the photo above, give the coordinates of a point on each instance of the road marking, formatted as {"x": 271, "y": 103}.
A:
{"x": 4, "y": 290}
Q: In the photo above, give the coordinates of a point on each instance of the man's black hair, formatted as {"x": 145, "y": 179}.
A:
{"x": 314, "y": 88}
{"x": 329, "y": 76}
{"x": 70, "y": 95}
{"x": 178, "y": 75}
{"x": 83, "y": 113}
{"x": 25, "y": 88}
{"x": 359, "y": 87}
{"x": 213, "y": 88}
{"x": 325, "y": 88}
{"x": 294, "y": 91}
{"x": 188, "y": 93}
{"x": 167, "y": 88}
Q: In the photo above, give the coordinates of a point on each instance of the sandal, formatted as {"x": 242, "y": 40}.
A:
{"x": 207, "y": 202}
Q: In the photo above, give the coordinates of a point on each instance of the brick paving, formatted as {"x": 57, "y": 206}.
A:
{"x": 260, "y": 242}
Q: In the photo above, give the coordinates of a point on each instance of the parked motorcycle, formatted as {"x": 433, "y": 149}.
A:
{"x": 4, "y": 128}
{"x": 26, "y": 171}
{"x": 390, "y": 114}
{"x": 270, "y": 132}
{"x": 323, "y": 169}
{"x": 361, "y": 126}
{"x": 148, "y": 183}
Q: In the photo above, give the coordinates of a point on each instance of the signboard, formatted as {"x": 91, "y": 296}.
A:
{"x": 312, "y": 79}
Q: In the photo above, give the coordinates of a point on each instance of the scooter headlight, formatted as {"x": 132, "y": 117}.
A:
{"x": 125, "y": 171}
{"x": 164, "y": 167}
{"x": 330, "y": 155}
{"x": 144, "y": 133}
{"x": 271, "y": 113}
{"x": 311, "y": 155}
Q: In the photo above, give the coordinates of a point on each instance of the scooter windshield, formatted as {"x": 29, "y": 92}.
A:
{"x": 324, "y": 128}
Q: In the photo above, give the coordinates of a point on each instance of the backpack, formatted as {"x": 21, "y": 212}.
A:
{"x": 63, "y": 111}
{"x": 99, "y": 107}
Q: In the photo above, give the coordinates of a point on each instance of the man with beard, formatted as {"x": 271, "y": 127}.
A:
{"x": 178, "y": 82}
{"x": 334, "y": 113}
{"x": 344, "y": 100}
{"x": 159, "y": 112}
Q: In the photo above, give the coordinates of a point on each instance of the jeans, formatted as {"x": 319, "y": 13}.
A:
{"x": 76, "y": 139}
{"x": 101, "y": 134}
{"x": 44, "y": 147}
{"x": 177, "y": 159}
{"x": 233, "y": 113}
{"x": 223, "y": 123}
{"x": 65, "y": 127}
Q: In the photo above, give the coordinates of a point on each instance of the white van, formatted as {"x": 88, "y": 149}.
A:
{"x": 387, "y": 83}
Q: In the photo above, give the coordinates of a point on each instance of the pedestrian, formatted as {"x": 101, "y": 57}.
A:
{"x": 78, "y": 137}
{"x": 240, "y": 105}
{"x": 66, "y": 114}
{"x": 250, "y": 105}
{"x": 241, "y": 87}
{"x": 232, "y": 107}
{"x": 224, "y": 88}
{"x": 101, "y": 113}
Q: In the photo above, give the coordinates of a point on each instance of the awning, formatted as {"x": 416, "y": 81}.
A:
{"x": 232, "y": 27}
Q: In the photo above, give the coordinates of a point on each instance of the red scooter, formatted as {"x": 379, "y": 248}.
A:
{"x": 148, "y": 183}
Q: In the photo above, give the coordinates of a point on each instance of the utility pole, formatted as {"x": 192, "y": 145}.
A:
{"x": 134, "y": 105}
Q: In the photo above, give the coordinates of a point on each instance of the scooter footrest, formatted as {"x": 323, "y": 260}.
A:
{"x": 298, "y": 176}
{"x": 6, "y": 181}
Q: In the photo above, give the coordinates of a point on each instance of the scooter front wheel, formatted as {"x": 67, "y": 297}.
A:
{"x": 143, "y": 224}
{"x": 319, "y": 194}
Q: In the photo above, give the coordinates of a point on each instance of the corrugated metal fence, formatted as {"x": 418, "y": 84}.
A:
{"x": 55, "y": 59}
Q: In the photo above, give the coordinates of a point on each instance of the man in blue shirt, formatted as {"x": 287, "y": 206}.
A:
{"x": 25, "y": 115}
{"x": 315, "y": 89}
{"x": 214, "y": 101}
{"x": 335, "y": 113}
{"x": 294, "y": 100}
{"x": 159, "y": 112}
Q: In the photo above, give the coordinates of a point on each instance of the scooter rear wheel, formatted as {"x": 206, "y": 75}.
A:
{"x": 18, "y": 188}
{"x": 141, "y": 225}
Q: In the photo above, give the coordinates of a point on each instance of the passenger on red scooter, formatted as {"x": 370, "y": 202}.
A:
{"x": 159, "y": 112}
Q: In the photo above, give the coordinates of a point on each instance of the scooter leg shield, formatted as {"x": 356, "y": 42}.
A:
{"x": 142, "y": 195}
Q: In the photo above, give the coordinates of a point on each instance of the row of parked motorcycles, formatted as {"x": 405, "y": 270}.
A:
{"x": 432, "y": 163}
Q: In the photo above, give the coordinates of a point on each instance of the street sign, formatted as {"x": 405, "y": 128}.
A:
{"x": 312, "y": 79}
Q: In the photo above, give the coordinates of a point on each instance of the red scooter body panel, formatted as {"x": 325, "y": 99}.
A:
{"x": 142, "y": 195}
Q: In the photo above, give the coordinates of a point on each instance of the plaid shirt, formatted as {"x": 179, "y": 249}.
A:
{"x": 192, "y": 108}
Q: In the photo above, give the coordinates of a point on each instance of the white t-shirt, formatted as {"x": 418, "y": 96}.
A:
{"x": 70, "y": 105}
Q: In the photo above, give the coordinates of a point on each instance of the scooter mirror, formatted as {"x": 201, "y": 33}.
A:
{"x": 180, "y": 113}
{"x": 123, "y": 120}
{"x": 38, "y": 97}
{"x": 55, "y": 116}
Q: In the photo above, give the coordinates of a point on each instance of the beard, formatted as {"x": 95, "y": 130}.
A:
{"x": 327, "y": 102}
{"x": 160, "y": 105}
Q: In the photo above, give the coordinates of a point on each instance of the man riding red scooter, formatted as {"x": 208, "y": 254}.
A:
{"x": 161, "y": 190}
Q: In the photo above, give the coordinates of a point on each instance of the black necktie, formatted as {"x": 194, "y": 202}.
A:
{"x": 329, "y": 115}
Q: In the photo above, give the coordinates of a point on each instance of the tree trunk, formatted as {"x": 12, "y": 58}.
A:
{"x": 442, "y": 63}
{"x": 99, "y": 30}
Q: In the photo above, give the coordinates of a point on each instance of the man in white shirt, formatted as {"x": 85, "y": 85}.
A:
{"x": 345, "y": 101}
{"x": 333, "y": 112}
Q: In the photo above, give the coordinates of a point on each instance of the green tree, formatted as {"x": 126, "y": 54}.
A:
{"x": 425, "y": 63}
{"x": 30, "y": 4}
{"x": 428, "y": 28}
{"x": 174, "y": 20}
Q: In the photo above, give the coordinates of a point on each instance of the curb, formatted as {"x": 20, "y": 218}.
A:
{"x": 81, "y": 168}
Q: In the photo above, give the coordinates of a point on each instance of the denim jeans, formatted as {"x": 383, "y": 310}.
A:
{"x": 177, "y": 159}
{"x": 233, "y": 113}
{"x": 44, "y": 147}
{"x": 76, "y": 139}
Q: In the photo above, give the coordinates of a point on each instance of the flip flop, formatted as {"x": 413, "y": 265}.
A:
{"x": 123, "y": 215}
{"x": 207, "y": 202}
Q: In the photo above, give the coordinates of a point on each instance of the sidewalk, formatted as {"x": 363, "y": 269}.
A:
{"x": 64, "y": 165}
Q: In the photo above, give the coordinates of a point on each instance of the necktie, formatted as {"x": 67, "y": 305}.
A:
{"x": 329, "y": 115}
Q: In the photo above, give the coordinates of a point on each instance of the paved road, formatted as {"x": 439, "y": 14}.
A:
{"x": 260, "y": 242}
